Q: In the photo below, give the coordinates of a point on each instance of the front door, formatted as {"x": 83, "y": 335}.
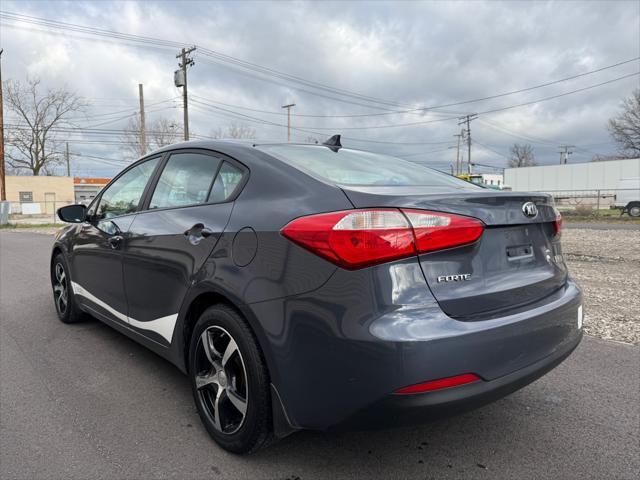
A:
{"x": 169, "y": 242}
{"x": 96, "y": 259}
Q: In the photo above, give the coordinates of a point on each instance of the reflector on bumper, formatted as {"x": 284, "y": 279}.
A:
{"x": 439, "y": 384}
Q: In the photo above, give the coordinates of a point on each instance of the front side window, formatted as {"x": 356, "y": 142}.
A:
{"x": 185, "y": 180}
{"x": 356, "y": 167}
{"x": 123, "y": 195}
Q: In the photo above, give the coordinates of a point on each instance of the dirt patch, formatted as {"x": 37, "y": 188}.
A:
{"x": 606, "y": 264}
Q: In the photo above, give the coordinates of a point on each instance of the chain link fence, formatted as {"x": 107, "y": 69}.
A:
{"x": 594, "y": 202}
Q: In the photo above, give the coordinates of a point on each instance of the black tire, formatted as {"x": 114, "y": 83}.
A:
{"x": 244, "y": 377}
{"x": 634, "y": 209}
{"x": 67, "y": 312}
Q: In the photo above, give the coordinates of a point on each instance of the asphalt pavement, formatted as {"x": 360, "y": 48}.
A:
{"x": 83, "y": 401}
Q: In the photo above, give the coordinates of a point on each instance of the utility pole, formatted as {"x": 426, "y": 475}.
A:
{"x": 66, "y": 156}
{"x": 468, "y": 119}
{"x": 180, "y": 80}
{"x": 459, "y": 136}
{"x": 3, "y": 186}
{"x": 564, "y": 153}
{"x": 288, "y": 107}
{"x": 143, "y": 133}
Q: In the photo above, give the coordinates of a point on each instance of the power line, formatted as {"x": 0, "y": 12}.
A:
{"x": 464, "y": 102}
{"x": 485, "y": 112}
{"x": 486, "y": 147}
{"x": 212, "y": 54}
{"x": 407, "y": 124}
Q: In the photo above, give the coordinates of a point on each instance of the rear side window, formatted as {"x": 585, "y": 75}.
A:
{"x": 356, "y": 167}
{"x": 185, "y": 180}
{"x": 226, "y": 183}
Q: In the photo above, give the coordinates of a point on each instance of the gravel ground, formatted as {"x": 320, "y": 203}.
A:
{"x": 606, "y": 263}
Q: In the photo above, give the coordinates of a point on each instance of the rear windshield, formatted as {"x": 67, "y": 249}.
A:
{"x": 358, "y": 168}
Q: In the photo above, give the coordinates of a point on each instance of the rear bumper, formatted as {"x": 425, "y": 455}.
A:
{"x": 337, "y": 354}
{"x": 400, "y": 410}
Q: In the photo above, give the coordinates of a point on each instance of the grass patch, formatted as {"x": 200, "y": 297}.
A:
{"x": 602, "y": 215}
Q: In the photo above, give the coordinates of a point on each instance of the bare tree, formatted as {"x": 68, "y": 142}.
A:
{"x": 234, "y": 130}
{"x": 598, "y": 157}
{"x": 132, "y": 139}
{"x": 164, "y": 132}
{"x": 625, "y": 127}
{"x": 32, "y": 141}
{"x": 521, "y": 155}
{"x": 160, "y": 133}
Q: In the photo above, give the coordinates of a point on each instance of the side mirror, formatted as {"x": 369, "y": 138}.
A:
{"x": 73, "y": 213}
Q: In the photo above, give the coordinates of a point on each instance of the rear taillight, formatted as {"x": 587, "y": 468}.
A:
{"x": 557, "y": 223}
{"x": 435, "y": 230}
{"x": 359, "y": 238}
{"x": 439, "y": 384}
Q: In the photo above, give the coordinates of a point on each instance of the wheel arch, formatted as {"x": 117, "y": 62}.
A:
{"x": 198, "y": 303}
{"x": 55, "y": 251}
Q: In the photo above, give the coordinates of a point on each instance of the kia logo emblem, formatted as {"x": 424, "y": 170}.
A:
{"x": 529, "y": 209}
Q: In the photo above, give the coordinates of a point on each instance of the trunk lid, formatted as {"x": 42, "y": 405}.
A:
{"x": 517, "y": 260}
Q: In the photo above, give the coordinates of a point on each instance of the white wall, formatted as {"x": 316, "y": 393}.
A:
{"x": 576, "y": 176}
{"x": 493, "y": 179}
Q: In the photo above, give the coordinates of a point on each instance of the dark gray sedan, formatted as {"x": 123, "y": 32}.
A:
{"x": 316, "y": 287}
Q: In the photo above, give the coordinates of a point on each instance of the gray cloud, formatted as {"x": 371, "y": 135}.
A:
{"x": 412, "y": 53}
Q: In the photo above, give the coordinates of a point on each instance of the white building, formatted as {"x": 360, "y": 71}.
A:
{"x": 572, "y": 177}
{"x": 495, "y": 180}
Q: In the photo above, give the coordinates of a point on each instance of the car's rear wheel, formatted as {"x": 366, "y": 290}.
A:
{"x": 63, "y": 297}
{"x": 230, "y": 381}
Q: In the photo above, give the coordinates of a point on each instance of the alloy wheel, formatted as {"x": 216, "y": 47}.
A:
{"x": 60, "y": 288}
{"x": 221, "y": 380}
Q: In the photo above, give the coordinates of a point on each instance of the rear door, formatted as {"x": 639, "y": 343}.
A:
{"x": 185, "y": 214}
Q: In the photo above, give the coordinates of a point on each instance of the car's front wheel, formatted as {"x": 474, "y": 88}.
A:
{"x": 63, "y": 297}
{"x": 230, "y": 381}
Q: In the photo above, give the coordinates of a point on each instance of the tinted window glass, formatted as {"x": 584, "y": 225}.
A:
{"x": 226, "y": 183}
{"x": 123, "y": 196}
{"x": 185, "y": 180}
{"x": 355, "y": 167}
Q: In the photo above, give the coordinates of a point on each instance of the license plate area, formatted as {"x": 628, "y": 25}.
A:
{"x": 519, "y": 252}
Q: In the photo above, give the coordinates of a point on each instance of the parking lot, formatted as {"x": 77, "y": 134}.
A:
{"x": 83, "y": 401}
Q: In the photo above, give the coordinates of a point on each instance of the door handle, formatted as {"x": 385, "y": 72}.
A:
{"x": 115, "y": 241}
{"x": 198, "y": 230}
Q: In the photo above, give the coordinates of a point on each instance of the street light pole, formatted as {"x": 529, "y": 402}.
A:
{"x": 143, "y": 132}
{"x": 3, "y": 186}
{"x": 288, "y": 107}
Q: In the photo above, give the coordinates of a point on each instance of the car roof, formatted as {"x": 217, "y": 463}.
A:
{"x": 226, "y": 144}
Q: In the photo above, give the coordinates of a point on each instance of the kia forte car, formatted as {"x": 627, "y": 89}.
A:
{"x": 320, "y": 287}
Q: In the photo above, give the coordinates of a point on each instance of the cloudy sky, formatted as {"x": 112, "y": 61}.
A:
{"x": 356, "y": 68}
